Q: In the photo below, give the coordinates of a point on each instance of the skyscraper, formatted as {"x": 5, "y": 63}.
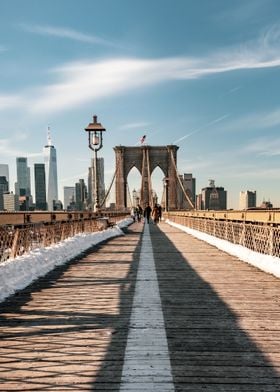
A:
{"x": 247, "y": 199}
{"x": 51, "y": 173}
{"x": 3, "y": 189}
{"x": 69, "y": 196}
{"x": 11, "y": 202}
{"x": 91, "y": 182}
{"x": 4, "y": 171}
{"x": 40, "y": 186}
{"x": 80, "y": 195}
{"x": 213, "y": 198}
{"x": 188, "y": 182}
{"x": 23, "y": 177}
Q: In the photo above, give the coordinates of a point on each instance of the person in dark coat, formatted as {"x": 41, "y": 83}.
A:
{"x": 159, "y": 212}
{"x": 139, "y": 212}
{"x": 147, "y": 212}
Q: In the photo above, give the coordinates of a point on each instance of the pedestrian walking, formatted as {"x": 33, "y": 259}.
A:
{"x": 155, "y": 214}
{"x": 159, "y": 212}
{"x": 139, "y": 212}
{"x": 147, "y": 212}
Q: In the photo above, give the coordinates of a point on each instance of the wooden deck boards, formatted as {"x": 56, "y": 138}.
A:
{"x": 222, "y": 317}
{"x": 68, "y": 331}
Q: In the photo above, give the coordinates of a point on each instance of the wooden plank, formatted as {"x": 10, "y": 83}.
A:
{"x": 69, "y": 330}
{"x": 221, "y": 315}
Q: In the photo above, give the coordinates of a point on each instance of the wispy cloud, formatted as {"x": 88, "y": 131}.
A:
{"x": 62, "y": 32}
{"x": 87, "y": 81}
{"x": 254, "y": 121}
{"x": 10, "y": 101}
{"x": 270, "y": 37}
{"x": 135, "y": 125}
{"x": 227, "y": 166}
{"x": 7, "y": 149}
{"x": 195, "y": 165}
{"x": 264, "y": 147}
{"x": 264, "y": 173}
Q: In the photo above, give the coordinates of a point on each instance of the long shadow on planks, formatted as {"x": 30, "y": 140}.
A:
{"x": 17, "y": 304}
{"x": 110, "y": 373}
{"x": 208, "y": 349}
{"x": 51, "y": 346}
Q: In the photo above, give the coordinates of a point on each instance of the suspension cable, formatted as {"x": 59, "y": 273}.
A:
{"x": 180, "y": 182}
{"x": 163, "y": 196}
{"x": 109, "y": 190}
{"x": 129, "y": 196}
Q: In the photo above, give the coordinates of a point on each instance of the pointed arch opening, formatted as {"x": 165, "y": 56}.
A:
{"x": 157, "y": 179}
{"x": 134, "y": 180}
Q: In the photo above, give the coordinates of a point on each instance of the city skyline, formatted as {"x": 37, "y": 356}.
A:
{"x": 187, "y": 180}
{"x": 134, "y": 179}
{"x": 207, "y": 81}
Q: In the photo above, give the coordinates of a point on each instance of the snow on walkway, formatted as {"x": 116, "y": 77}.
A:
{"x": 16, "y": 274}
{"x": 266, "y": 263}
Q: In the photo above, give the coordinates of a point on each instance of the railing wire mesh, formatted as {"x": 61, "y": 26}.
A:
{"x": 18, "y": 241}
{"x": 260, "y": 238}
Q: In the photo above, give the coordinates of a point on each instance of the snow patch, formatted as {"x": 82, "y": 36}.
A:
{"x": 18, "y": 273}
{"x": 266, "y": 263}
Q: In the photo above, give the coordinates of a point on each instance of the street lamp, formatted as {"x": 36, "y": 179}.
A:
{"x": 95, "y": 143}
{"x": 165, "y": 184}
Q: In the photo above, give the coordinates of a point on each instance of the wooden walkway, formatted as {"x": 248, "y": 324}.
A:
{"x": 74, "y": 330}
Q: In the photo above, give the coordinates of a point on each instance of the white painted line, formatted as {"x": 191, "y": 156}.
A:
{"x": 147, "y": 364}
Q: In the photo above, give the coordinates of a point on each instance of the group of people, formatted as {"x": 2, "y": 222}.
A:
{"x": 155, "y": 213}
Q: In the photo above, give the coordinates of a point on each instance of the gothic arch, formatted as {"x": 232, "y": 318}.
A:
{"x": 145, "y": 159}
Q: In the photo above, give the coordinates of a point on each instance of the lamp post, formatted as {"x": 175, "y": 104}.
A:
{"x": 95, "y": 143}
{"x": 165, "y": 184}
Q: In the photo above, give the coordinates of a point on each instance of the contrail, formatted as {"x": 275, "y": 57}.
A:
{"x": 201, "y": 128}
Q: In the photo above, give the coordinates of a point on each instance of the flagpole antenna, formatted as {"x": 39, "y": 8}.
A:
{"x": 143, "y": 139}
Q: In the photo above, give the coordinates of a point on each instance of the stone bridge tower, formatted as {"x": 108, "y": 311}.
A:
{"x": 145, "y": 159}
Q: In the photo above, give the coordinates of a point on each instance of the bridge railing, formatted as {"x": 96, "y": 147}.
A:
{"x": 17, "y": 237}
{"x": 258, "y": 235}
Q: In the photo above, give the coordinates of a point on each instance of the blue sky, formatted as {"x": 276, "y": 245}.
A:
{"x": 202, "y": 74}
